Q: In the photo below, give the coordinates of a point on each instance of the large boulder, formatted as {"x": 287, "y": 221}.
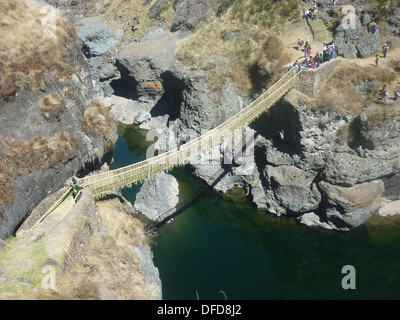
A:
{"x": 356, "y": 42}
{"x": 143, "y": 116}
{"x": 95, "y": 35}
{"x": 293, "y": 188}
{"x": 158, "y": 197}
{"x": 188, "y": 13}
{"x": 349, "y": 207}
{"x": 142, "y": 63}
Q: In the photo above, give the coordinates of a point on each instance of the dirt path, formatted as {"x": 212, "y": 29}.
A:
{"x": 290, "y": 35}
{"x": 392, "y": 55}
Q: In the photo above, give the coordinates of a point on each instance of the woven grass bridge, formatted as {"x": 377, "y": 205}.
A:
{"x": 102, "y": 183}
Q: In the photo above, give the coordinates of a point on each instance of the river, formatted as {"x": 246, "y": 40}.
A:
{"x": 218, "y": 248}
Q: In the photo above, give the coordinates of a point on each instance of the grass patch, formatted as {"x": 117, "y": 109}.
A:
{"x": 109, "y": 263}
{"x": 132, "y": 14}
{"x": 98, "y": 121}
{"x": 18, "y": 158}
{"x": 28, "y": 50}
{"x": 18, "y": 260}
{"x": 339, "y": 92}
{"x": 248, "y": 37}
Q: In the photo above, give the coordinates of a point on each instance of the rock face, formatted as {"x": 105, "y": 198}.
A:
{"x": 351, "y": 206}
{"x": 358, "y": 42}
{"x": 293, "y": 188}
{"x": 188, "y": 13}
{"x": 76, "y": 96}
{"x": 96, "y": 36}
{"x": 303, "y": 169}
{"x": 151, "y": 274}
{"x": 151, "y": 69}
{"x": 158, "y": 197}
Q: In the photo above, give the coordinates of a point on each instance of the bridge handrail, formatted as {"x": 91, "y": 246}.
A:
{"x": 194, "y": 147}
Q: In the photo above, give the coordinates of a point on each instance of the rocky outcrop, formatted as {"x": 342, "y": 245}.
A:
{"x": 55, "y": 133}
{"x": 357, "y": 42}
{"x": 188, "y": 13}
{"x": 151, "y": 69}
{"x": 95, "y": 35}
{"x": 348, "y": 207}
{"x": 158, "y": 197}
{"x": 305, "y": 170}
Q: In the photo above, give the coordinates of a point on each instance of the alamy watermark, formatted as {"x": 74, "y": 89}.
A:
{"x": 228, "y": 147}
{"x": 49, "y": 278}
{"x": 349, "y": 280}
{"x": 349, "y": 20}
{"x": 48, "y": 18}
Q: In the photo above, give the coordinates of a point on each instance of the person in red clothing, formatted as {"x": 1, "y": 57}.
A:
{"x": 309, "y": 51}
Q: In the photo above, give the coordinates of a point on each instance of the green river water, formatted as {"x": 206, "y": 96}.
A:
{"x": 216, "y": 247}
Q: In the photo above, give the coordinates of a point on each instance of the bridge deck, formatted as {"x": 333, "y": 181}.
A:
{"x": 102, "y": 183}
{"x": 115, "y": 179}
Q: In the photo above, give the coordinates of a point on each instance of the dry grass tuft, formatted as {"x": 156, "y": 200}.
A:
{"x": 17, "y": 158}
{"x": 29, "y": 49}
{"x": 98, "y": 121}
{"x": 86, "y": 290}
{"x": 54, "y": 151}
{"x": 52, "y": 106}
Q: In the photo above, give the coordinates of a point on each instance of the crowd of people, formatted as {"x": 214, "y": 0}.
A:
{"x": 329, "y": 52}
{"x": 384, "y": 95}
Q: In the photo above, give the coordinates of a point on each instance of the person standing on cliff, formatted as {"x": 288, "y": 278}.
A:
{"x": 385, "y": 50}
{"x": 299, "y": 44}
{"x": 377, "y": 59}
{"x": 75, "y": 187}
{"x": 309, "y": 51}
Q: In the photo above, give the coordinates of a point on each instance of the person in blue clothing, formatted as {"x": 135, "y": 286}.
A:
{"x": 385, "y": 50}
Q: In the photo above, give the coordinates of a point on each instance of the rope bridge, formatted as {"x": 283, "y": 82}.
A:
{"x": 102, "y": 183}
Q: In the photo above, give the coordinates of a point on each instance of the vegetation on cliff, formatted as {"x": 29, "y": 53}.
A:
{"x": 39, "y": 68}
{"x": 33, "y": 41}
{"x": 248, "y": 35}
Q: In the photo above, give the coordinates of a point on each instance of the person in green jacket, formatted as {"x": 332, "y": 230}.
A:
{"x": 75, "y": 187}
{"x": 377, "y": 59}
